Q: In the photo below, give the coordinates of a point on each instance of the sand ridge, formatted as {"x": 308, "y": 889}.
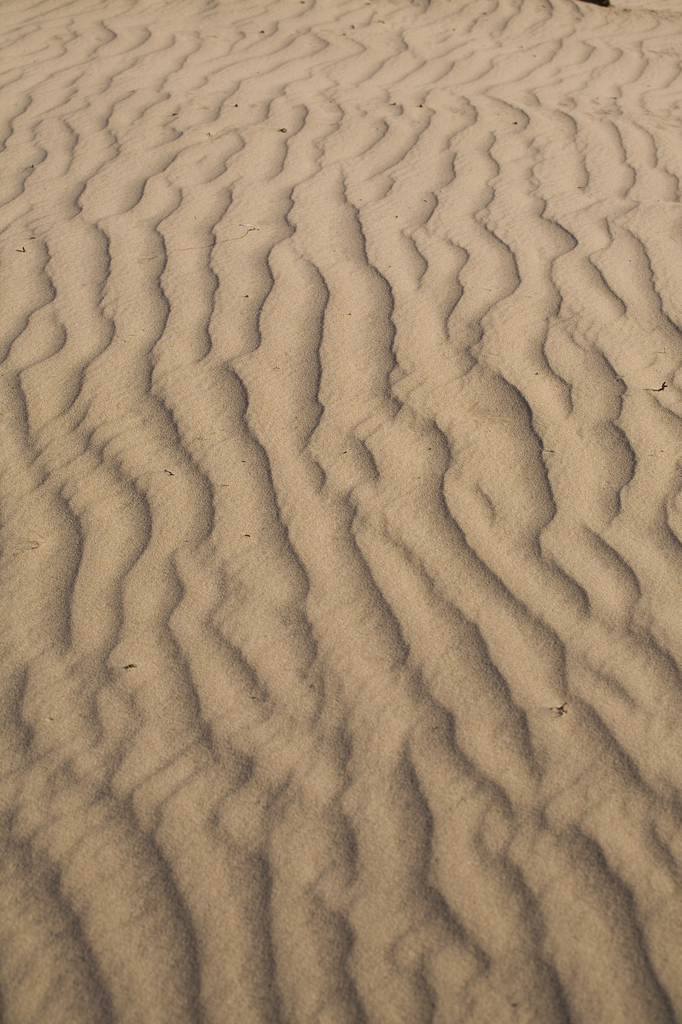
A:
{"x": 340, "y": 427}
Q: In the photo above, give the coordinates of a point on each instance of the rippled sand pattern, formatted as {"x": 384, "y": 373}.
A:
{"x": 340, "y": 470}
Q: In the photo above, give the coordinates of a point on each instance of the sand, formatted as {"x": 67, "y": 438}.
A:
{"x": 341, "y": 514}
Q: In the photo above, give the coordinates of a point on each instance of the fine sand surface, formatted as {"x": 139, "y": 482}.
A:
{"x": 341, "y": 512}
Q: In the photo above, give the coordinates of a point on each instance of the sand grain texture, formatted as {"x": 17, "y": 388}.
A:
{"x": 340, "y": 512}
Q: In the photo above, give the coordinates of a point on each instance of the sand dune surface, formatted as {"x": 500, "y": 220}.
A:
{"x": 340, "y": 512}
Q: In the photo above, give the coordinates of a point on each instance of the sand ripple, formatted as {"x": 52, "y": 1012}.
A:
{"x": 340, "y": 434}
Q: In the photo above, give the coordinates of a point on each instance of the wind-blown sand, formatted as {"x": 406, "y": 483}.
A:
{"x": 341, "y": 515}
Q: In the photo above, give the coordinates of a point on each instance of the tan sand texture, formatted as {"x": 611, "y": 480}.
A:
{"x": 341, "y": 525}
